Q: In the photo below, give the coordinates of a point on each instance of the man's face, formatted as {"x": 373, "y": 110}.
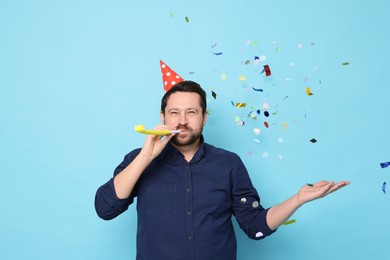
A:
{"x": 183, "y": 112}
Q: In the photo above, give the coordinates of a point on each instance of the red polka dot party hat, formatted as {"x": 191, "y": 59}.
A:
{"x": 169, "y": 77}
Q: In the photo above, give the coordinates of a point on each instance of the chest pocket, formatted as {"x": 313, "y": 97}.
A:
{"x": 161, "y": 200}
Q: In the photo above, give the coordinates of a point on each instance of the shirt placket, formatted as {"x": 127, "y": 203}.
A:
{"x": 189, "y": 213}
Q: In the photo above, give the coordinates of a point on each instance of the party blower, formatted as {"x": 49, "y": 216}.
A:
{"x": 141, "y": 129}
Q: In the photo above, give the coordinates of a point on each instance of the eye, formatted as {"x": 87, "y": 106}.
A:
{"x": 192, "y": 112}
{"x": 173, "y": 113}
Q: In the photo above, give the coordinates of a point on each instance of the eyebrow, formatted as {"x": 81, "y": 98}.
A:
{"x": 186, "y": 109}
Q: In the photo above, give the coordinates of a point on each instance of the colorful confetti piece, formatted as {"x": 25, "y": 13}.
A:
{"x": 266, "y": 124}
{"x": 240, "y": 104}
{"x": 313, "y": 140}
{"x": 292, "y": 221}
{"x": 384, "y": 187}
{"x": 217, "y": 53}
{"x": 214, "y": 94}
{"x": 223, "y": 76}
{"x": 256, "y": 131}
{"x": 266, "y": 113}
{"x": 242, "y": 77}
{"x": 187, "y": 19}
{"x": 308, "y": 91}
{"x": 345, "y": 63}
{"x": 385, "y": 164}
{"x": 267, "y": 70}
{"x": 257, "y": 89}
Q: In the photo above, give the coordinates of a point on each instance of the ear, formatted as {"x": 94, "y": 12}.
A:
{"x": 204, "y": 118}
{"x": 162, "y": 117}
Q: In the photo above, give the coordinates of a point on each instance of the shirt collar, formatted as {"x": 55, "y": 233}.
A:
{"x": 171, "y": 152}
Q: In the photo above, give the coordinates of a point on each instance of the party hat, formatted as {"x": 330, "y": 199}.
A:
{"x": 169, "y": 77}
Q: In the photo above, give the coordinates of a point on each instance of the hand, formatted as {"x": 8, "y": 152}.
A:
{"x": 154, "y": 144}
{"x": 318, "y": 190}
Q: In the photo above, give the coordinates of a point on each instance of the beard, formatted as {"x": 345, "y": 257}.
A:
{"x": 191, "y": 137}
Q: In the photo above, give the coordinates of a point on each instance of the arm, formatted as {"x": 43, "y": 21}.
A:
{"x": 113, "y": 198}
{"x": 125, "y": 181}
{"x": 278, "y": 214}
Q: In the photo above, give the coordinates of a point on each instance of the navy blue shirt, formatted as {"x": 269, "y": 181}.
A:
{"x": 185, "y": 208}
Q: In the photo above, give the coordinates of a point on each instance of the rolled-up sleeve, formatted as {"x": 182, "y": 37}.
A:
{"x": 250, "y": 214}
{"x": 107, "y": 204}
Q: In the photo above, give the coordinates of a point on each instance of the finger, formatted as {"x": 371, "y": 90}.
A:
{"x": 337, "y": 186}
{"x": 320, "y": 183}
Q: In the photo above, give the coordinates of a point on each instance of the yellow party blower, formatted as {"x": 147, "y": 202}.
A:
{"x": 141, "y": 129}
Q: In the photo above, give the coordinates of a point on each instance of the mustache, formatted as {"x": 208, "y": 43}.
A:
{"x": 183, "y": 128}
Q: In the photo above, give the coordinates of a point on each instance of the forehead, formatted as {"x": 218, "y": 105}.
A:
{"x": 183, "y": 100}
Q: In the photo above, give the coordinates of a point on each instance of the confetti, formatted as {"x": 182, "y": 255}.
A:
{"x": 240, "y": 123}
{"x": 265, "y": 106}
{"x": 263, "y": 58}
{"x": 191, "y": 72}
{"x": 308, "y": 91}
{"x": 258, "y": 111}
{"x": 257, "y": 89}
{"x": 187, "y": 19}
{"x": 266, "y": 124}
{"x": 385, "y": 164}
{"x": 217, "y": 53}
{"x": 214, "y": 94}
{"x": 239, "y": 104}
{"x": 292, "y": 221}
{"x": 284, "y": 124}
{"x": 313, "y": 140}
{"x": 280, "y": 140}
{"x": 256, "y": 140}
{"x": 224, "y": 76}
{"x": 267, "y": 70}
{"x": 384, "y": 187}
{"x": 345, "y": 63}
{"x": 265, "y": 155}
{"x": 266, "y": 113}
{"x": 171, "y": 14}
{"x": 242, "y": 77}
{"x": 215, "y": 44}
{"x": 256, "y": 131}
{"x": 280, "y": 157}
{"x": 247, "y": 62}
{"x": 300, "y": 46}
{"x": 256, "y": 61}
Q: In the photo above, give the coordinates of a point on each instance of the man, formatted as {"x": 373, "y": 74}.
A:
{"x": 188, "y": 190}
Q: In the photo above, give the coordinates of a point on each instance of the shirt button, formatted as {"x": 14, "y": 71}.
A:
{"x": 188, "y": 189}
{"x": 189, "y": 213}
{"x": 189, "y": 237}
{"x": 187, "y": 167}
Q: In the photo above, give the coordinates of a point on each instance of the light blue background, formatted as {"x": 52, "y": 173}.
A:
{"x": 76, "y": 76}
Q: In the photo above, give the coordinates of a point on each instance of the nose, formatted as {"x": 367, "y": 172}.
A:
{"x": 183, "y": 120}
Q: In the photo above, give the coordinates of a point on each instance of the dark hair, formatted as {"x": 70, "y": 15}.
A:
{"x": 185, "y": 86}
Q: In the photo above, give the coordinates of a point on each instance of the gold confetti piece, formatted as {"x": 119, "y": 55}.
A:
{"x": 224, "y": 76}
{"x": 240, "y": 104}
{"x": 284, "y": 124}
{"x": 292, "y": 221}
{"x": 187, "y": 19}
{"x": 242, "y": 78}
{"x": 345, "y": 63}
{"x": 308, "y": 91}
{"x": 171, "y": 14}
